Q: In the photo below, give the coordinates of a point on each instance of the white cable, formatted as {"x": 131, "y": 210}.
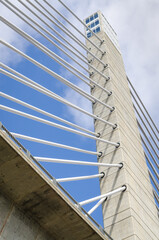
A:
{"x": 121, "y": 189}
{"x": 56, "y": 160}
{"x": 26, "y": 115}
{"x": 154, "y": 180}
{"x": 28, "y": 82}
{"x": 57, "y": 76}
{"x": 20, "y": 113}
{"x": 54, "y": 144}
{"x": 152, "y": 166}
{"x": 155, "y": 134}
{"x": 157, "y": 198}
{"x": 147, "y": 139}
{"x": 49, "y": 26}
{"x": 66, "y": 32}
{"x": 143, "y": 122}
{"x": 55, "y": 57}
{"x": 59, "y": 22}
{"x": 45, "y": 113}
{"x": 79, "y": 178}
{"x": 151, "y": 154}
{"x": 46, "y": 50}
{"x": 143, "y": 107}
{"x": 96, "y": 206}
{"x": 63, "y": 24}
{"x": 52, "y": 73}
{"x": 55, "y": 38}
{"x": 79, "y": 21}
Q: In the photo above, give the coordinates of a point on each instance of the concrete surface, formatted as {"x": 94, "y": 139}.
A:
{"x": 31, "y": 206}
{"x": 132, "y": 214}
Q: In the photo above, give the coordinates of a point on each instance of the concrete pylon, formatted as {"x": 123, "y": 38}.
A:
{"x": 131, "y": 214}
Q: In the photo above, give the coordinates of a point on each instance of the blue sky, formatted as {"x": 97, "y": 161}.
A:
{"x": 135, "y": 27}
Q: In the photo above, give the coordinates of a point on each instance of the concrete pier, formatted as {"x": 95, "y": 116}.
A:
{"x": 131, "y": 215}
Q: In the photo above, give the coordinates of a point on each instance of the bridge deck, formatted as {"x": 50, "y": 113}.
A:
{"x": 23, "y": 182}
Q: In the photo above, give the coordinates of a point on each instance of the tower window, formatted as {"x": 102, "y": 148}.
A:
{"x": 92, "y": 25}
{"x": 91, "y": 18}
{"x": 98, "y": 29}
{"x": 89, "y": 34}
{"x": 87, "y": 20}
{"x": 97, "y": 22}
{"x": 95, "y": 15}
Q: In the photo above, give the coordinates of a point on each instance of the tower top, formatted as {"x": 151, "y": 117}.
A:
{"x": 97, "y": 23}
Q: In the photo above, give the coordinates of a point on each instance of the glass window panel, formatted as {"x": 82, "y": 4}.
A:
{"x": 97, "y": 22}
{"x": 92, "y": 25}
{"x": 91, "y": 18}
{"x": 87, "y": 20}
{"x": 95, "y": 15}
{"x": 89, "y": 35}
{"x": 94, "y": 30}
{"x": 98, "y": 29}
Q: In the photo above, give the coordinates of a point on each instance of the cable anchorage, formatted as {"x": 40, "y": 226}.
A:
{"x": 116, "y": 125}
{"x": 103, "y": 175}
{"x": 91, "y": 74}
{"x": 110, "y": 94}
{"x": 118, "y": 144}
{"x": 103, "y": 53}
{"x": 101, "y": 44}
{"x": 92, "y": 87}
{"x": 106, "y": 65}
{"x": 100, "y": 154}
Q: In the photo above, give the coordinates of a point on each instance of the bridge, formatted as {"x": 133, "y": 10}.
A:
{"x": 119, "y": 136}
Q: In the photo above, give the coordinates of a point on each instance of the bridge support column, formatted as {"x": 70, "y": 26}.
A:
{"x": 131, "y": 214}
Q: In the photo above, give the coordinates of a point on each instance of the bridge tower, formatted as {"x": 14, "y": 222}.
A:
{"x": 131, "y": 214}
